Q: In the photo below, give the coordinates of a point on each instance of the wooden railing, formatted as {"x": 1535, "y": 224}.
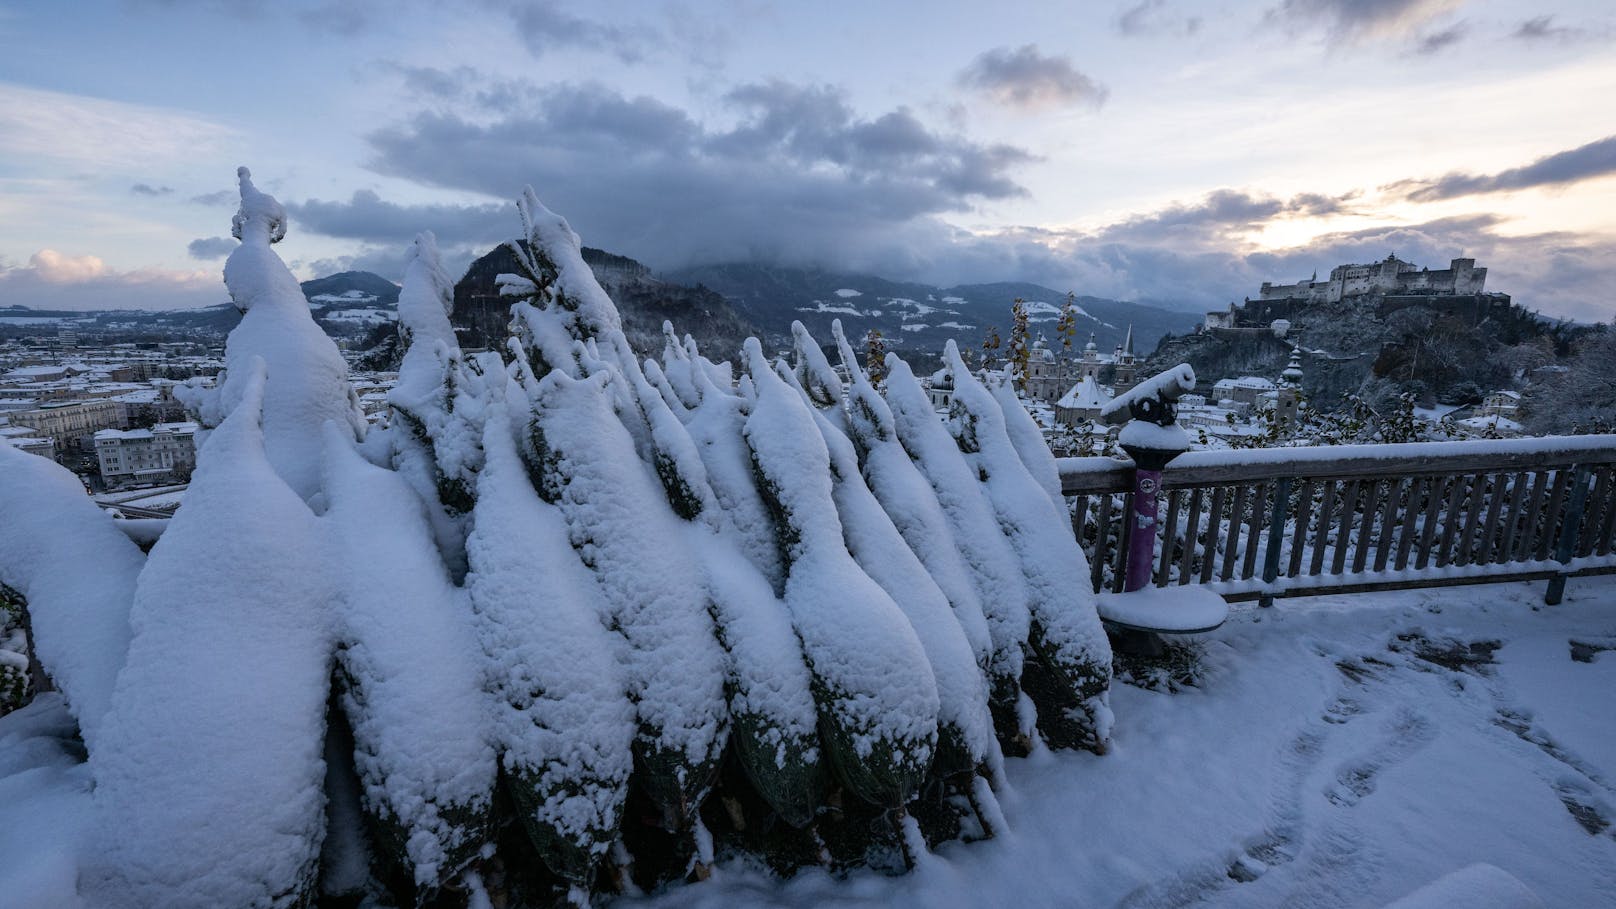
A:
{"x": 1295, "y": 521}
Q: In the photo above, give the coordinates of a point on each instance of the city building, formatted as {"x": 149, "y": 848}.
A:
{"x": 1082, "y": 403}
{"x": 1045, "y": 375}
{"x": 21, "y": 437}
{"x": 167, "y": 451}
{"x": 69, "y": 424}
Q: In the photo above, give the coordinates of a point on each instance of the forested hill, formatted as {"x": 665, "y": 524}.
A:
{"x": 480, "y": 314}
{"x": 1440, "y": 352}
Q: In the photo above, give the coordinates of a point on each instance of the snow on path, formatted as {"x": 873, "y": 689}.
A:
{"x": 1320, "y": 786}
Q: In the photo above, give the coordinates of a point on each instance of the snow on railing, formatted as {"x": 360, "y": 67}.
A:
{"x": 1293, "y": 521}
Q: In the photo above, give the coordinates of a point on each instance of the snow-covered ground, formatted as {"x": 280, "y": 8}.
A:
{"x": 1331, "y": 768}
{"x": 1325, "y": 760}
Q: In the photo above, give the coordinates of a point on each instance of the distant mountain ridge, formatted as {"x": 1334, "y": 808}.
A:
{"x": 916, "y": 316}
{"x": 719, "y": 305}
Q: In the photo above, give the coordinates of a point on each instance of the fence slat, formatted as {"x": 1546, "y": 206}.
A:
{"x": 1529, "y": 532}
{"x": 1080, "y": 511}
{"x": 1102, "y": 522}
{"x": 1595, "y": 510}
{"x": 1566, "y": 546}
{"x": 1259, "y": 511}
{"x": 1119, "y": 571}
{"x": 1209, "y": 552}
{"x": 1433, "y": 507}
{"x": 1276, "y": 536}
{"x": 1231, "y": 545}
{"x": 1173, "y": 498}
{"x": 1343, "y": 531}
{"x": 1451, "y": 519}
{"x": 1321, "y": 536}
{"x": 1478, "y": 491}
{"x": 1551, "y": 514}
{"x": 1512, "y": 518}
{"x": 1192, "y": 529}
{"x": 1490, "y": 528}
{"x": 1361, "y": 552}
{"x": 1388, "y": 522}
{"x": 1608, "y": 532}
{"x": 1418, "y": 488}
{"x": 1304, "y": 506}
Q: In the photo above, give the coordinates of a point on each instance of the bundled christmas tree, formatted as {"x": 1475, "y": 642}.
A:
{"x": 567, "y": 612}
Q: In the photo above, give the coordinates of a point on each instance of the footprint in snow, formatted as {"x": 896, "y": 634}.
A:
{"x": 1407, "y": 733}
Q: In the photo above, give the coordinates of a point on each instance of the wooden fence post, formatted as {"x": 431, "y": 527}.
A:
{"x": 1566, "y": 547}
{"x": 1276, "y": 533}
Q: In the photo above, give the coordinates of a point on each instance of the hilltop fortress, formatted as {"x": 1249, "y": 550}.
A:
{"x": 1391, "y": 277}
{"x": 1388, "y": 285}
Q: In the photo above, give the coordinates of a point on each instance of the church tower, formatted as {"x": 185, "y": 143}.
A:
{"x": 1288, "y": 397}
{"x": 1089, "y": 366}
{"x": 1126, "y": 365}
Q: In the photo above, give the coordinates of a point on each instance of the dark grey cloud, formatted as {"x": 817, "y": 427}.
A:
{"x": 146, "y": 189}
{"x": 369, "y": 218}
{"x": 795, "y": 174}
{"x": 1155, "y": 17}
{"x": 1434, "y": 42}
{"x": 1024, "y": 77}
{"x": 388, "y": 261}
{"x": 1218, "y": 216}
{"x": 210, "y": 247}
{"x": 1596, "y": 159}
{"x": 1352, "y": 21}
{"x": 544, "y": 27}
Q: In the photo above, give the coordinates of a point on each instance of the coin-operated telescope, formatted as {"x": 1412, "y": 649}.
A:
{"x": 1152, "y": 437}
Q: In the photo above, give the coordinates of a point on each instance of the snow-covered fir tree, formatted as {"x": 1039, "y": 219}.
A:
{"x": 563, "y": 598}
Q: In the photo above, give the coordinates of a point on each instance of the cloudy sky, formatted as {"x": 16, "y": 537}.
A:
{"x": 1174, "y": 151}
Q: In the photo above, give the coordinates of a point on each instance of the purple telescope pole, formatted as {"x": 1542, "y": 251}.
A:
{"x": 1142, "y": 539}
{"x": 1152, "y": 437}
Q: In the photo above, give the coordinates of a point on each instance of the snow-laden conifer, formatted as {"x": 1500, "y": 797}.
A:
{"x": 772, "y": 713}
{"x": 909, "y": 500}
{"x": 76, "y": 571}
{"x": 815, "y": 376}
{"x": 625, "y": 530}
{"x": 596, "y": 428}
{"x": 964, "y": 729}
{"x": 1028, "y": 441}
{"x": 557, "y": 299}
{"x": 308, "y": 380}
{"x": 1065, "y": 633}
{"x": 715, "y": 424}
{"x": 773, "y": 720}
{"x": 678, "y": 366}
{"x": 562, "y": 721}
{"x": 209, "y": 783}
{"x": 435, "y": 448}
{"x": 876, "y": 695}
{"x": 412, "y": 685}
{"x": 993, "y": 565}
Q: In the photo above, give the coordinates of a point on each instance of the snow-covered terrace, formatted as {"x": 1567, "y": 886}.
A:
{"x": 1340, "y": 751}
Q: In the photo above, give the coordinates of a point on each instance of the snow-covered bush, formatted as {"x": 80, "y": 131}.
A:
{"x": 571, "y": 619}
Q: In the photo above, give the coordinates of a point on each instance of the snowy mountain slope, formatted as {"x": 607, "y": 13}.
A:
{"x": 915, "y": 316}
